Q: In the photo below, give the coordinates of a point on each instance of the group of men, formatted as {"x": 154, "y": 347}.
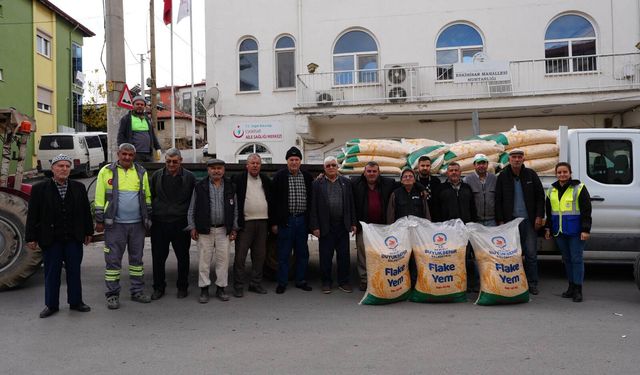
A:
{"x": 217, "y": 211}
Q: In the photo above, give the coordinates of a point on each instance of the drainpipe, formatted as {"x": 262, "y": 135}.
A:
{"x": 299, "y": 46}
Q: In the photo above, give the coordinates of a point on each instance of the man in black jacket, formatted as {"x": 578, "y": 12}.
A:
{"x": 455, "y": 198}
{"x": 171, "y": 188}
{"x": 332, "y": 218}
{"x": 430, "y": 183}
{"x": 59, "y": 221}
{"x": 290, "y": 205}
{"x": 254, "y": 193}
{"x": 519, "y": 193}
{"x": 136, "y": 128}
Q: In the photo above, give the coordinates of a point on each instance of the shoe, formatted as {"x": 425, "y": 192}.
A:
{"x": 569, "y": 292}
{"x": 113, "y": 302}
{"x": 577, "y": 293}
{"x": 157, "y": 294}
{"x": 47, "y": 312}
{"x": 346, "y": 288}
{"x": 363, "y": 286}
{"x": 221, "y": 294}
{"x": 140, "y": 297}
{"x": 238, "y": 292}
{"x": 204, "y": 295}
{"x": 304, "y": 286}
{"x": 257, "y": 289}
{"x": 280, "y": 289}
{"x": 82, "y": 307}
{"x": 534, "y": 290}
{"x": 182, "y": 293}
{"x": 326, "y": 289}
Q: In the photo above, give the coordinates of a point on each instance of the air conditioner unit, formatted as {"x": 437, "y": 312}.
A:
{"x": 401, "y": 82}
{"x": 500, "y": 88}
{"x": 328, "y": 97}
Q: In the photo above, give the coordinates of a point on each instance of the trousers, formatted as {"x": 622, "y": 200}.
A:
{"x": 59, "y": 254}
{"x": 119, "y": 238}
{"x": 163, "y": 234}
{"x": 294, "y": 236}
{"x": 572, "y": 248}
{"x": 336, "y": 240}
{"x": 213, "y": 248}
{"x": 253, "y": 236}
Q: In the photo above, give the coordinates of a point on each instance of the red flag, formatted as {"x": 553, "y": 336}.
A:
{"x": 166, "y": 16}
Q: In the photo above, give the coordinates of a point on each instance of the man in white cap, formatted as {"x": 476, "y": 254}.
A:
{"x": 519, "y": 193}
{"x": 136, "y": 128}
{"x": 59, "y": 221}
{"x": 483, "y": 186}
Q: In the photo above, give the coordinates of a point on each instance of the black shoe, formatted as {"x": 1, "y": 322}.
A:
{"x": 257, "y": 289}
{"x": 157, "y": 294}
{"x": 569, "y": 292}
{"x": 204, "y": 295}
{"x": 238, "y": 292}
{"x": 534, "y": 290}
{"x": 82, "y": 307}
{"x": 221, "y": 294}
{"x": 182, "y": 293}
{"x": 304, "y": 286}
{"x": 47, "y": 312}
{"x": 280, "y": 289}
{"x": 577, "y": 293}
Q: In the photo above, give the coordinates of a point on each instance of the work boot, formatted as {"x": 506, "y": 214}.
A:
{"x": 569, "y": 292}
{"x": 113, "y": 302}
{"x": 238, "y": 292}
{"x": 533, "y": 289}
{"x": 577, "y": 293}
{"x": 81, "y": 307}
{"x": 157, "y": 294}
{"x": 140, "y": 297}
{"x": 182, "y": 293}
{"x": 48, "y": 311}
{"x": 221, "y": 294}
{"x": 204, "y": 294}
{"x": 257, "y": 289}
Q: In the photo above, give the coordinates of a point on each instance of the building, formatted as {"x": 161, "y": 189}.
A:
{"x": 41, "y": 66}
{"x": 183, "y": 134}
{"x": 315, "y": 74}
{"x": 182, "y": 95}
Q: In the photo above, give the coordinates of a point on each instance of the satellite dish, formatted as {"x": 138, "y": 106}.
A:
{"x": 211, "y": 98}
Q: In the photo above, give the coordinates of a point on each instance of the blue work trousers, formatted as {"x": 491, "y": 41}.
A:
{"x": 294, "y": 236}
{"x": 572, "y": 248}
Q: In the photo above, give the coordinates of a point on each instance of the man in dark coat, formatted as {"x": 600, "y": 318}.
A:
{"x": 59, "y": 221}
{"x": 136, "y": 128}
{"x": 455, "y": 198}
{"x": 430, "y": 183}
{"x": 519, "y": 193}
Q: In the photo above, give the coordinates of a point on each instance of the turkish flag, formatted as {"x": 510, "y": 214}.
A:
{"x": 166, "y": 15}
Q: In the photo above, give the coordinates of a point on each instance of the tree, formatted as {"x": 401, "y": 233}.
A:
{"x": 94, "y": 110}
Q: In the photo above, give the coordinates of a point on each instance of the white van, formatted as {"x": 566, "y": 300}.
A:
{"x": 88, "y": 151}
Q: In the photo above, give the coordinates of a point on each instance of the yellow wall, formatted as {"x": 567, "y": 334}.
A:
{"x": 45, "y": 72}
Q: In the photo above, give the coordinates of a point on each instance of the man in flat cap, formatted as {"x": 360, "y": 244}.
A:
{"x": 291, "y": 204}
{"x": 213, "y": 222}
{"x": 136, "y": 128}
{"x": 519, "y": 193}
{"x": 59, "y": 221}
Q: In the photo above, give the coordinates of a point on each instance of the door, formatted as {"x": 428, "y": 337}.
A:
{"x": 609, "y": 169}
{"x": 96, "y": 155}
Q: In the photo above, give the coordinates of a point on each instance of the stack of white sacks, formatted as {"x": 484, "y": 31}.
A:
{"x": 391, "y": 155}
{"x": 541, "y": 152}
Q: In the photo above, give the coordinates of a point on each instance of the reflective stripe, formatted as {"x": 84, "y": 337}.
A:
{"x": 106, "y": 250}
{"x": 564, "y": 207}
{"x": 112, "y": 275}
{"x": 136, "y": 271}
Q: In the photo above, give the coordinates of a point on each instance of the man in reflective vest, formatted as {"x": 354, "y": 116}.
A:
{"x": 123, "y": 211}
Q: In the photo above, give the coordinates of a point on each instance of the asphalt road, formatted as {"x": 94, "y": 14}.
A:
{"x": 312, "y": 333}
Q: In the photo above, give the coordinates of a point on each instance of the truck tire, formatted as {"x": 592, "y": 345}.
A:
{"x": 17, "y": 261}
{"x": 636, "y": 271}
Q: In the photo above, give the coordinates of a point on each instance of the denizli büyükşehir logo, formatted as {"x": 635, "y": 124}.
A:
{"x": 238, "y": 132}
{"x": 391, "y": 242}
{"x": 439, "y": 239}
{"x": 499, "y": 241}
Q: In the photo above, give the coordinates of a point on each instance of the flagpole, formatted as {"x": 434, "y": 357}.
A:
{"x": 173, "y": 97}
{"x": 193, "y": 99}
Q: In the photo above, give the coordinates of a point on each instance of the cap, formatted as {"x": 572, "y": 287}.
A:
{"x": 293, "y": 151}
{"x": 480, "y": 157}
{"x": 514, "y": 151}
{"x": 61, "y": 157}
{"x": 137, "y": 98}
{"x": 215, "y": 162}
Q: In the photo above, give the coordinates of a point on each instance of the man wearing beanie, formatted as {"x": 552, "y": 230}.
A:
{"x": 136, "y": 128}
{"x": 289, "y": 212}
{"x": 59, "y": 221}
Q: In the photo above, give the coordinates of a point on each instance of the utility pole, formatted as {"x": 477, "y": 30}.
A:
{"x": 152, "y": 62}
{"x": 116, "y": 74}
{"x": 142, "y": 86}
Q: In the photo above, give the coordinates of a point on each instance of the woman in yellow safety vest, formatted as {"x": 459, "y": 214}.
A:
{"x": 568, "y": 207}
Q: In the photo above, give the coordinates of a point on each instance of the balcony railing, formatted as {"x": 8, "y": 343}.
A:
{"x": 578, "y": 74}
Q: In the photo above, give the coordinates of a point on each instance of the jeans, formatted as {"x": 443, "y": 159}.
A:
{"x": 529, "y": 242}
{"x": 571, "y": 248}
{"x": 337, "y": 239}
{"x": 163, "y": 234}
{"x": 68, "y": 253}
{"x": 293, "y": 235}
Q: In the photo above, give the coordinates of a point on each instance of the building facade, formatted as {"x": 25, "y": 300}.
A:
{"x": 315, "y": 74}
{"x": 41, "y": 75}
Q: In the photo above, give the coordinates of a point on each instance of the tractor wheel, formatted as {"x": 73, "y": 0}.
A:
{"x": 17, "y": 261}
{"x": 636, "y": 271}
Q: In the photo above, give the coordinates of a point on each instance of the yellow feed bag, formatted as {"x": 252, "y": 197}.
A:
{"x": 361, "y": 160}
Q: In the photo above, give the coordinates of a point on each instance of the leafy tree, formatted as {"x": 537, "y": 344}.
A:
{"x": 94, "y": 110}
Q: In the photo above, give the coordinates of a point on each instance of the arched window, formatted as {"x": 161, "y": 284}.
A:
{"x": 254, "y": 148}
{"x": 355, "y": 54}
{"x": 248, "y": 65}
{"x": 456, "y": 44}
{"x": 285, "y": 62}
{"x": 570, "y": 45}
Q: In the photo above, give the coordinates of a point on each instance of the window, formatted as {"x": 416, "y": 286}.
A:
{"x": 93, "y": 142}
{"x": 77, "y": 109}
{"x": 1, "y": 74}
{"x": 610, "y": 162}
{"x": 43, "y": 44}
{"x": 285, "y": 63}
{"x": 456, "y": 44}
{"x": 355, "y": 54}
{"x": 56, "y": 142}
{"x": 186, "y": 102}
{"x": 44, "y": 99}
{"x": 76, "y": 63}
{"x": 248, "y": 65}
{"x": 160, "y": 125}
{"x": 254, "y": 148}
{"x": 570, "y": 45}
